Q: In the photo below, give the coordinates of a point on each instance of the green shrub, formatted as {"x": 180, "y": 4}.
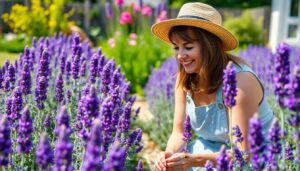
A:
{"x": 42, "y": 19}
{"x": 246, "y": 29}
{"x": 137, "y": 60}
{"x": 14, "y": 45}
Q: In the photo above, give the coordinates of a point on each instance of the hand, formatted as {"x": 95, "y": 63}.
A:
{"x": 178, "y": 162}
{"x": 160, "y": 163}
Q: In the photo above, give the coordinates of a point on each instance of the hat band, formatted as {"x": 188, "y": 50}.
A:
{"x": 192, "y": 16}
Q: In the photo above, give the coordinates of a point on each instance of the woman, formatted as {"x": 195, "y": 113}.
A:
{"x": 200, "y": 43}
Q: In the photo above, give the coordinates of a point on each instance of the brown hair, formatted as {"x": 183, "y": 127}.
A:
{"x": 212, "y": 64}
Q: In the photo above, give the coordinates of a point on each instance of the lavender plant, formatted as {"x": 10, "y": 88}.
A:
{"x": 49, "y": 79}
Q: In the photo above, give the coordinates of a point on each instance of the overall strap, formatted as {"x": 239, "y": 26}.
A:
{"x": 219, "y": 93}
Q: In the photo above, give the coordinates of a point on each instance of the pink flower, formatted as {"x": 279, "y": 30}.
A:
{"x": 132, "y": 36}
{"x": 112, "y": 42}
{"x": 136, "y": 7}
{"x": 126, "y": 18}
{"x": 132, "y": 42}
{"x": 119, "y": 2}
{"x": 162, "y": 16}
{"x": 146, "y": 10}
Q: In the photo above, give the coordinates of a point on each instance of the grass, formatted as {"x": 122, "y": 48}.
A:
{"x": 10, "y": 56}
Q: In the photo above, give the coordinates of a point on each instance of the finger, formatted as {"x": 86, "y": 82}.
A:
{"x": 174, "y": 158}
{"x": 162, "y": 159}
{"x": 158, "y": 167}
{"x": 174, "y": 164}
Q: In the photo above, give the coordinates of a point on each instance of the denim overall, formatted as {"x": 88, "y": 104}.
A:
{"x": 210, "y": 122}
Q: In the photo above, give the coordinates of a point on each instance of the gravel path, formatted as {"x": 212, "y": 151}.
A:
{"x": 150, "y": 150}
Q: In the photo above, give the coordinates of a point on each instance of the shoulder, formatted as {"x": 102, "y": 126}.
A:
{"x": 248, "y": 86}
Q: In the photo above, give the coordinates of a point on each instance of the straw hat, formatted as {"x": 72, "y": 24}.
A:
{"x": 198, "y": 15}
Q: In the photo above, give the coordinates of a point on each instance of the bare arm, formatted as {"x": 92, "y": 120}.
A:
{"x": 249, "y": 94}
{"x": 175, "y": 142}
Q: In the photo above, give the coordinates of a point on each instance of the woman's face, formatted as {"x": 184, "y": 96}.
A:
{"x": 187, "y": 53}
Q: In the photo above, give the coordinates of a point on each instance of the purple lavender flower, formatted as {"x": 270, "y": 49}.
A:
{"x": 41, "y": 91}
{"x": 25, "y": 81}
{"x": 124, "y": 123}
{"x": 116, "y": 79}
{"x": 108, "y": 10}
{"x": 82, "y": 71}
{"x": 24, "y": 132}
{"x": 27, "y": 58}
{"x": 1, "y": 79}
{"x": 76, "y": 46}
{"x": 47, "y": 121}
{"x": 222, "y": 160}
{"x": 59, "y": 89}
{"x": 274, "y": 137}
{"x": 88, "y": 110}
{"x": 8, "y": 110}
{"x": 116, "y": 159}
{"x": 11, "y": 75}
{"x": 92, "y": 160}
{"x": 106, "y": 118}
{"x": 75, "y": 67}
{"x": 68, "y": 69}
{"x": 256, "y": 143}
{"x": 238, "y": 134}
{"x": 187, "y": 132}
{"x": 288, "y": 152}
{"x": 6, "y": 84}
{"x": 94, "y": 68}
{"x": 105, "y": 77}
{"x": 229, "y": 85}
{"x": 102, "y": 63}
{"x": 44, "y": 153}
{"x": 134, "y": 140}
{"x": 293, "y": 91}
{"x": 43, "y": 69}
{"x": 63, "y": 151}
{"x": 139, "y": 166}
{"x": 294, "y": 120}
{"x": 239, "y": 161}
{"x": 282, "y": 68}
{"x": 16, "y": 106}
{"x": 5, "y": 141}
{"x": 209, "y": 166}
{"x": 63, "y": 118}
{"x": 63, "y": 59}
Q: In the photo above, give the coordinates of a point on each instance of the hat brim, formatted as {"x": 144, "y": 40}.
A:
{"x": 161, "y": 30}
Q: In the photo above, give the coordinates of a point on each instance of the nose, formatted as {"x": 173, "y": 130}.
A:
{"x": 181, "y": 54}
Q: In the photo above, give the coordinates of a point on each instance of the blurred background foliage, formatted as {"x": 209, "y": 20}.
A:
{"x": 225, "y": 3}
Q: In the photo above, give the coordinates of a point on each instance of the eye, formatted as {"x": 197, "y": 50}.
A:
{"x": 189, "y": 48}
{"x": 175, "y": 48}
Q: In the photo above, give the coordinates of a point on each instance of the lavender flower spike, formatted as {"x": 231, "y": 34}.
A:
{"x": 116, "y": 159}
{"x": 63, "y": 151}
{"x": 24, "y": 132}
{"x": 209, "y": 166}
{"x": 293, "y": 99}
{"x": 92, "y": 160}
{"x": 63, "y": 118}
{"x": 5, "y": 141}
{"x": 223, "y": 160}
{"x": 59, "y": 89}
{"x": 256, "y": 143}
{"x": 229, "y": 85}
{"x": 44, "y": 153}
{"x": 238, "y": 134}
{"x": 282, "y": 67}
{"x": 139, "y": 167}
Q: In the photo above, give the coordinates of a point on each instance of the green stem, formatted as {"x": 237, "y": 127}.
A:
{"x": 283, "y": 138}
